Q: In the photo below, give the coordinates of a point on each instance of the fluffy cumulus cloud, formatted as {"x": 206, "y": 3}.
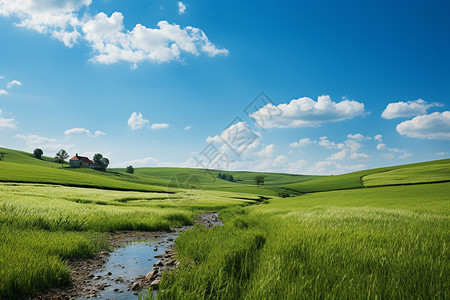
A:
{"x": 237, "y": 138}
{"x": 407, "y": 109}
{"x": 58, "y": 18}
{"x": 83, "y": 131}
{"x": 239, "y": 147}
{"x": 113, "y": 43}
{"x": 435, "y": 126}
{"x": 159, "y": 126}
{"x": 188, "y": 127}
{"x": 13, "y": 83}
{"x": 181, "y": 8}
{"x": 3, "y": 92}
{"x": 348, "y": 149}
{"x": 69, "y": 21}
{"x": 305, "y": 112}
{"x": 136, "y": 121}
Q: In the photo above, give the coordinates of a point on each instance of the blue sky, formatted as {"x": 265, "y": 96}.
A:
{"x": 352, "y": 85}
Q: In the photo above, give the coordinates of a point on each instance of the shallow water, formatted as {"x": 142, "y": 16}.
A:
{"x": 135, "y": 259}
{"x": 128, "y": 262}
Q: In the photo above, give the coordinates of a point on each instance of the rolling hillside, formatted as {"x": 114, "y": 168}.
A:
{"x": 425, "y": 172}
{"x": 21, "y": 166}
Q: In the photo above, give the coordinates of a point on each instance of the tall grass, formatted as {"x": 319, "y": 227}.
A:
{"x": 41, "y": 227}
{"x": 33, "y": 259}
{"x": 326, "y": 246}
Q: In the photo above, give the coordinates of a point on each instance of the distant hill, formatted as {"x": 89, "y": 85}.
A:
{"x": 424, "y": 172}
{"x": 20, "y": 166}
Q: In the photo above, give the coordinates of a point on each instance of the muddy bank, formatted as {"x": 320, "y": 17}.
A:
{"x": 136, "y": 263}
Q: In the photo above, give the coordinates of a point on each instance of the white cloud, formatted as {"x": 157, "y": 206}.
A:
{"x": 13, "y": 83}
{"x": 1, "y": 77}
{"x": 7, "y": 123}
{"x": 435, "y": 126}
{"x": 113, "y": 43}
{"x": 188, "y": 127}
{"x": 3, "y": 92}
{"x": 83, "y": 131}
{"x": 305, "y": 111}
{"x": 324, "y": 142}
{"x": 108, "y": 37}
{"x": 136, "y": 121}
{"x": 159, "y": 126}
{"x": 58, "y": 18}
{"x": 33, "y": 139}
{"x": 441, "y": 153}
{"x": 392, "y": 153}
{"x": 378, "y": 137}
{"x": 267, "y": 151}
{"x": 348, "y": 149}
{"x": 302, "y": 142}
{"x": 99, "y": 133}
{"x": 77, "y": 131}
{"x": 359, "y": 137}
{"x": 181, "y": 8}
{"x": 407, "y": 109}
{"x": 49, "y": 145}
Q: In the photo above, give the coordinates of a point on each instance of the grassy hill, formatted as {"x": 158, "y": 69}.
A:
{"x": 402, "y": 174}
{"x": 335, "y": 239}
{"x": 20, "y": 166}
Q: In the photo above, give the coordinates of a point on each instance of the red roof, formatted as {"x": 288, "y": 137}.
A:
{"x": 82, "y": 158}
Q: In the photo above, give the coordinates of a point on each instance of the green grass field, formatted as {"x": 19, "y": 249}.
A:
{"x": 386, "y": 243}
{"x": 380, "y": 233}
{"x": 42, "y": 226}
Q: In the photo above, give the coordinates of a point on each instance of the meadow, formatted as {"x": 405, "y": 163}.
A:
{"x": 385, "y": 243}
{"x": 379, "y": 233}
{"x": 43, "y": 226}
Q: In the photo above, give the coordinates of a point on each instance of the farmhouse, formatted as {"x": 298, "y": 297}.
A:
{"x": 81, "y": 162}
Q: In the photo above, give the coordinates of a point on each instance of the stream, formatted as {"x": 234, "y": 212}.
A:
{"x": 123, "y": 276}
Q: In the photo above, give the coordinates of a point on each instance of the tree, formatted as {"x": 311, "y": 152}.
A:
{"x": 130, "y": 170}
{"x": 259, "y": 180}
{"x": 61, "y": 156}
{"x": 223, "y": 176}
{"x": 38, "y": 153}
{"x": 102, "y": 162}
{"x": 229, "y": 177}
{"x": 219, "y": 176}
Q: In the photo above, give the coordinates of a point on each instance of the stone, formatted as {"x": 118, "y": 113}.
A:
{"x": 171, "y": 262}
{"x": 155, "y": 283}
{"x": 151, "y": 275}
{"x": 160, "y": 263}
{"x": 135, "y": 286}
